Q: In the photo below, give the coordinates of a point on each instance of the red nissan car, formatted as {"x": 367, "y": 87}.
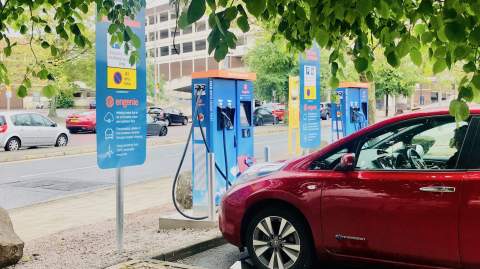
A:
{"x": 85, "y": 121}
{"x": 403, "y": 192}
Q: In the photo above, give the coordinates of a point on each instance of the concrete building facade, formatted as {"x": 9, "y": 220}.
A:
{"x": 177, "y": 53}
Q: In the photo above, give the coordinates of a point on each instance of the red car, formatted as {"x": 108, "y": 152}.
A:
{"x": 85, "y": 122}
{"x": 278, "y": 110}
{"x": 403, "y": 192}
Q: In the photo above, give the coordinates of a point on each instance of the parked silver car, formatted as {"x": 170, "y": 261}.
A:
{"x": 27, "y": 129}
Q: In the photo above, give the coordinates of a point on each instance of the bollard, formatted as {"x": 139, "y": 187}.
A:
{"x": 211, "y": 187}
{"x": 267, "y": 154}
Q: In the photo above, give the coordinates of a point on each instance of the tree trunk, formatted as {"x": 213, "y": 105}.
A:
{"x": 52, "y": 110}
{"x": 386, "y": 105}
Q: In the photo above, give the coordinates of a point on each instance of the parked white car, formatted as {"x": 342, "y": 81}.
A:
{"x": 28, "y": 129}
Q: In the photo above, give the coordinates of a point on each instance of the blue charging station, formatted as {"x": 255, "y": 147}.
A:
{"x": 222, "y": 107}
{"x": 349, "y": 109}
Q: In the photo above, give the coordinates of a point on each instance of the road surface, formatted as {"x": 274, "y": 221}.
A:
{"x": 25, "y": 183}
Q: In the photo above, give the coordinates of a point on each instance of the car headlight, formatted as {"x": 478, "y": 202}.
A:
{"x": 257, "y": 171}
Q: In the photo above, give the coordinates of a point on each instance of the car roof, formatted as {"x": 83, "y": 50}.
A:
{"x": 11, "y": 113}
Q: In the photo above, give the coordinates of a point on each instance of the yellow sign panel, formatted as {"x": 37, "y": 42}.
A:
{"x": 121, "y": 78}
{"x": 310, "y": 92}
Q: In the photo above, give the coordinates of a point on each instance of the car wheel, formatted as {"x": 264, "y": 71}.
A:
{"x": 185, "y": 121}
{"x": 278, "y": 238}
{"x": 13, "y": 144}
{"x": 167, "y": 121}
{"x": 62, "y": 141}
{"x": 163, "y": 131}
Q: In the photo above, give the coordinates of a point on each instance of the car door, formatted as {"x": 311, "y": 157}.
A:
{"x": 389, "y": 209}
{"x": 152, "y": 126}
{"x": 24, "y": 128}
{"x": 470, "y": 204}
{"x": 42, "y": 129}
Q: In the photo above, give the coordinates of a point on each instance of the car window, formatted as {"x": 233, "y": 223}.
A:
{"x": 150, "y": 119}
{"x": 425, "y": 144}
{"x": 38, "y": 120}
{"x": 331, "y": 159}
{"x": 21, "y": 120}
{"x": 2, "y": 121}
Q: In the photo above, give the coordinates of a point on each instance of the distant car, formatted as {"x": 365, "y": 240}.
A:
{"x": 174, "y": 116}
{"x": 93, "y": 104}
{"x": 25, "y": 129}
{"x": 156, "y": 127}
{"x": 262, "y": 116}
{"x": 157, "y": 113}
{"x": 325, "y": 110}
{"x": 277, "y": 109}
{"x": 82, "y": 122}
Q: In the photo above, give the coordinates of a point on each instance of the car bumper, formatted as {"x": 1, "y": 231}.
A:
{"x": 80, "y": 127}
{"x": 230, "y": 217}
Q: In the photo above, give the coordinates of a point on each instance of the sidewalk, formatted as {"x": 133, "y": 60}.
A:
{"x": 46, "y": 218}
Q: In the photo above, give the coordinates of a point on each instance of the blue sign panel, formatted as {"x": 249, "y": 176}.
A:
{"x": 310, "y": 99}
{"x": 121, "y": 99}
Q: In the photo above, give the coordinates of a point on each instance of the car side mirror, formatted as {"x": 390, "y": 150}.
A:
{"x": 54, "y": 124}
{"x": 347, "y": 163}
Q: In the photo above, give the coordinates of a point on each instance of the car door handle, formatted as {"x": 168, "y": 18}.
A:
{"x": 437, "y": 189}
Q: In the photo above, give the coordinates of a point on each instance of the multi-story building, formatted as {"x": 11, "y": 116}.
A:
{"x": 177, "y": 53}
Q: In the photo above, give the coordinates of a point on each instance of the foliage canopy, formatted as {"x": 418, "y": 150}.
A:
{"x": 448, "y": 31}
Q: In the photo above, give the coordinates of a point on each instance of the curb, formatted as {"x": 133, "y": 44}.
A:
{"x": 190, "y": 250}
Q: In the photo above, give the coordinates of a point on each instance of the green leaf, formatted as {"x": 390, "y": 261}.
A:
{"x": 441, "y": 35}
{"x": 439, "y": 66}
{"x": 43, "y": 74}
{"x": 47, "y": 29}
{"x": 112, "y": 28}
{"x": 459, "y": 109}
{"x": 7, "y": 50}
{"x": 403, "y": 48}
{"x": 361, "y": 64}
{"x": 383, "y": 8}
{"x": 53, "y": 51}
{"x": 427, "y": 37}
{"x": 455, "y": 31}
{"x": 231, "y": 13}
{"x": 475, "y": 36}
{"x": 22, "y": 91}
{"x": 334, "y": 68}
{"x": 416, "y": 57}
{"x": 211, "y": 4}
{"x": 334, "y": 82}
{"x": 220, "y": 52}
{"x": 469, "y": 67}
{"x": 364, "y": 7}
{"x": 419, "y": 29}
{"x": 49, "y": 91}
{"x": 256, "y": 7}
{"x": 322, "y": 38}
{"x": 183, "y": 20}
{"x": 45, "y": 45}
{"x": 466, "y": 93}
{"x": 196, "y": 10}
{"x": 476, "y": 81}
{"x": 23, "y": 29}
{"x": 243, "y": 24}
{"x": 460, "y": 52}
{"x": 392, "y": 59}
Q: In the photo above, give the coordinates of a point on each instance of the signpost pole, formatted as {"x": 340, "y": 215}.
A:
{"x": 119, "y": 218}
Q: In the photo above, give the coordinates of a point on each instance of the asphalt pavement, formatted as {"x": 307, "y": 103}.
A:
{"x": 25, "y": 183}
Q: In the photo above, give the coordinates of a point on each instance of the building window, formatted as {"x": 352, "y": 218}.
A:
{"x": 152, "y": 53}
{"x": 164, "y": 51}
{"x": 200, "y": 45}
{"x": 151, "y": 36}
{"x": 164, "y": 34}
{"x": 200, "y": 26}
{"x": 175, "y": 49}
{"x": 163, "y": 16}
{"x": 188, "y": 30}
{"x": 187, "y": 47}
{"x": 173, "y": 15}
{"x": 156, "y": 52}
{"x": 151, "y": 20}
{"x": 173, "y": 33}
{"x": 156, "y": 35}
